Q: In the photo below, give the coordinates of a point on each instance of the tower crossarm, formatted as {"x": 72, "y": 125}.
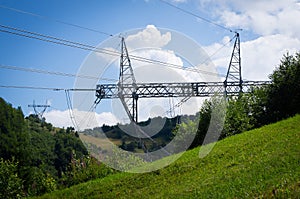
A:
{"x": 159, "y": 90}
{"x": 39, "y": 113}
{"x": 39, "y": 106}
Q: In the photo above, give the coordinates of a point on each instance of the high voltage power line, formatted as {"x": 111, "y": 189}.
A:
{"x": 195, "y": 15}
{"x": 55, "y": 20}
{"x": 105, "y": 33}
{"x": 56, "y": 40}
{"x": 47, "y": 88}
{"x": 32, "y": 87}
{"x": 33, "y": 70}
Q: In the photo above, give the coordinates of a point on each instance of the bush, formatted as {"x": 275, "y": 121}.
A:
{"x": 37, "y": 182}
{"x": 284, "y": 92}
{"x": 82, "y": 170}
{"x": 11, "y": 185}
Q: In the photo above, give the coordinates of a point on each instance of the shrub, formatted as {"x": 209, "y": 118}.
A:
{"x": 11, "y": 186}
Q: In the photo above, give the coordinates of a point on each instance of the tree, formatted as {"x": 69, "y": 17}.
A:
{"x": 66, "y": 147}
{"x": 14, "y": 137}
{"x": 238, "y": 118}
{"x": 284, "y": 92}
{"x": 211, "y": 121}
{"x": 204, "y": 120}
{"x": 257, "y": 106}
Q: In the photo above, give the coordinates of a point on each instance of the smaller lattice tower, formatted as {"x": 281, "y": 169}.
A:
{"x": 42, "y": 108}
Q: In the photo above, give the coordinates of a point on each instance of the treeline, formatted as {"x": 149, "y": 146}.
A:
{"x": 268, "y": 104}
{"x": 36, "y": 158}
{"x": 163, "y": 126}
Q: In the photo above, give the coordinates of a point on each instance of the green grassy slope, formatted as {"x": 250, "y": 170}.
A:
{"x": 260, "y": 163}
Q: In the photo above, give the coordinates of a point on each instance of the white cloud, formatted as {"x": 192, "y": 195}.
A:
{"x": 179, "y": 1}
{"x": 275, "y": 24}
{"x": 262, "y": 55}
{"x": 58, "y": 118}
{"x": 149, "y": 37}
{"x": 108, "y": 54}
{"x": 173, "y": 72}
{"x": 83, "y": 119}
{"x": 262, "y": 17}
{"x": 150, "y": 72}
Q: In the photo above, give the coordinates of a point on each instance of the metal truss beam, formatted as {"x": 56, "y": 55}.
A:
{"x": 189, "y": 89}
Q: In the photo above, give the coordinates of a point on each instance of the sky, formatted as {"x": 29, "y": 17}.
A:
{"x": 268, "y": 30}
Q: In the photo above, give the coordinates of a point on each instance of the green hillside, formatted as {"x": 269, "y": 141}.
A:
{"x": 261, "y": 163}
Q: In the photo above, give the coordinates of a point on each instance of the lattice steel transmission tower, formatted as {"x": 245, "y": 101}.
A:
{"x": 128, "y": 91}
{"x": 39, "y": 113}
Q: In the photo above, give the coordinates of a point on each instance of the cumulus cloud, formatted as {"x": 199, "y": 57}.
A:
{"x": 150, "y": 37}
{"x": 262, "y": 17}
{"x": 151, "y": 72}
{"x": 262, "y": 55}
{"x": 274, "y": 25}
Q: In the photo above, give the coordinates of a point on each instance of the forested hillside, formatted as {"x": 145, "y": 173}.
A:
{"x": 118, "y": 135}
{"x": 36, "y": 158}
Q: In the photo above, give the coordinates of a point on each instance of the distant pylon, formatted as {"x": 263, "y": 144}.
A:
{"x": 39, "y": 113}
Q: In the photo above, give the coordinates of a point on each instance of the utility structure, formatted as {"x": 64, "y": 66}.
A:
{"x": 128, "y": 91}
{"x": 35, "y": 108}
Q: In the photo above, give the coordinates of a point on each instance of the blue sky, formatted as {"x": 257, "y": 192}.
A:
{"x": 269, "y": 31}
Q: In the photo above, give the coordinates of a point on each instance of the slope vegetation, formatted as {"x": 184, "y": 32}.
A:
{"x": 262, "y": 163}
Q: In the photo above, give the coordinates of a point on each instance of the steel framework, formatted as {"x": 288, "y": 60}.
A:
{"x": 39, "y": 113}
{"x": 129, "y": 91}
{"x": 187, "y": 89}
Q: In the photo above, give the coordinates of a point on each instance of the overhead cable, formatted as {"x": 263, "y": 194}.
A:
{"x": 47, "y": 88}
{"x": 55, "y": 40}
{"x": 55, "y": 20}
{"x": 195, "y": 15}
{"x": 34, "y": 70}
